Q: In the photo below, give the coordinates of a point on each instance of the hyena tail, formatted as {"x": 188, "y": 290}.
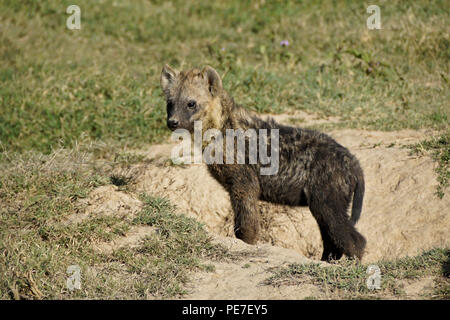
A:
{"x": 357, "y": 199}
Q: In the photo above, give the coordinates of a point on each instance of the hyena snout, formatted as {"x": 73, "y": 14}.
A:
{"x": 172, "y": 123}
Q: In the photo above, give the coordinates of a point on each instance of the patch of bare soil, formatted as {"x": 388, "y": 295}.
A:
{"x": 418, "y": 288}
{"x": 401, "y": 215}
{"x": 244, "y": 276}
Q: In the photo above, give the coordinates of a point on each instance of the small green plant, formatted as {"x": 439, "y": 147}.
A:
{"x": 439, "y": 149}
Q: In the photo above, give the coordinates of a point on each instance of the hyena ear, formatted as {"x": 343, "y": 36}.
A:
{"x": 214, "y": 81}
{"x": 168, "y": 76}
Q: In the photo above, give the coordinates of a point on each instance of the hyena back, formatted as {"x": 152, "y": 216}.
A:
{"x": 314, "y": 170}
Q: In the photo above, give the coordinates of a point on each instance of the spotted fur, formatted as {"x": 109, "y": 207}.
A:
{"x": 314, "y": 170}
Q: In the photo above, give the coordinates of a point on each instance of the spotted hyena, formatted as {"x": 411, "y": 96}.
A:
{"x": 314, "y": 170}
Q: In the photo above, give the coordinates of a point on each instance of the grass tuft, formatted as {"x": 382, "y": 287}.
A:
{"x": 346, "y": 279}
{"x": 439, "y": 149}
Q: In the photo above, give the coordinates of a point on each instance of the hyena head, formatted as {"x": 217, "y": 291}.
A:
{"x": 191, "y": 96}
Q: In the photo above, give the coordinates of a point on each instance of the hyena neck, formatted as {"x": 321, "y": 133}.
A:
{"x": 234, "y": 115}
{"x": 231, "y": 116}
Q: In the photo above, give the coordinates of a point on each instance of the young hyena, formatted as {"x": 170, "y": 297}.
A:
{"x": 314, "y": 170}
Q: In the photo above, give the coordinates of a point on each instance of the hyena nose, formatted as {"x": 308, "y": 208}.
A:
{"x": 172, "y": 124}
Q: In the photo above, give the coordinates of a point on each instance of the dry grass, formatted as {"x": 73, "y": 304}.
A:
{"x": 37, "y": 243}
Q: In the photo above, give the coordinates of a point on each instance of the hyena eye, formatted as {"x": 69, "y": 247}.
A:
{"x": 192, "y": 104}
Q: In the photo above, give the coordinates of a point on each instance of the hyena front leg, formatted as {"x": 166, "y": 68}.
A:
{"x": 244, "y": 194}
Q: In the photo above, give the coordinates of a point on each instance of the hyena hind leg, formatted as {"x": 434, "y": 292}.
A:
{"x": 330, "y": 250}
{"x": 339, "y": 236}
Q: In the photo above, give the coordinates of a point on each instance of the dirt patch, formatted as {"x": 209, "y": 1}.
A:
{"x": 106, "y": 200}
{"x": 130, "y": 240}
{"x": 245, "y": 276}
{"x": 299, "y": 117}
{"x": 417, "y": 288}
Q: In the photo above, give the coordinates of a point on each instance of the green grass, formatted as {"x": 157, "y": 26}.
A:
{"x": 38, "y": 241}
{"x": 60, "y": 86}
{"x": 346, "y": 279}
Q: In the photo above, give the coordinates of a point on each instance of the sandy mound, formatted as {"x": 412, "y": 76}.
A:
{"x": 401, "y": 214}
{"x": 106, "y": 200}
